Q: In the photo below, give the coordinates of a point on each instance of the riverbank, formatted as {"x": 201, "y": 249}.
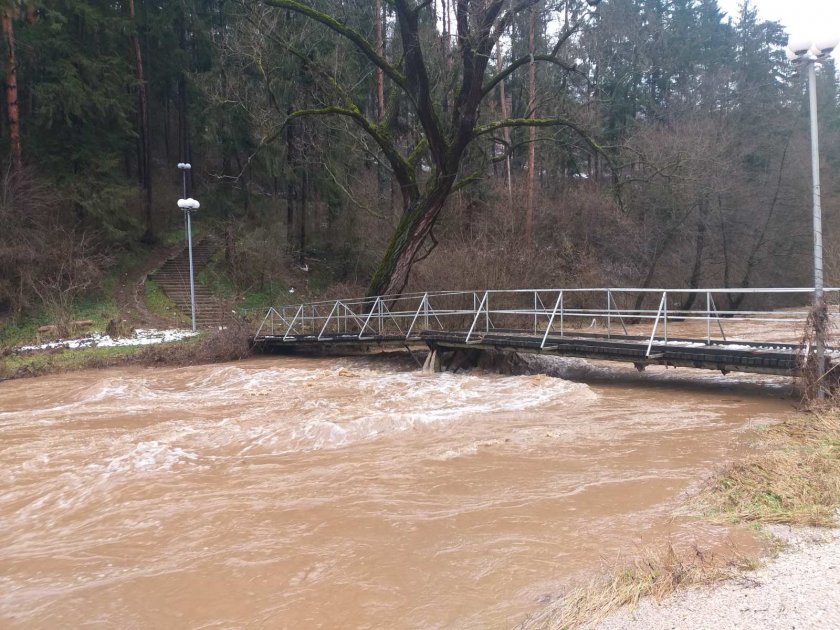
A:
{"x": 797, "y": 589}
{"x": 227, "y": 344}
{"x": 789, "y": 490}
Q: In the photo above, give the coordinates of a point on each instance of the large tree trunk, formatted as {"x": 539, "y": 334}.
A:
{"x": 735, "y": 299}
{"x": 657, "y": 254}
{"x": 532, "y": 131}
{"x": 697, "y": 268}
{"x": 391, "y": 276}
{"x": 380, "y": 47}
{"x": 304, "y": 184}
{"x": 290, "y": 186}
{"x": 506, "y": 130}
{"x": 479, "y": 24}
{"x": 12, "y": 110}
{"x": 143, "y": 126}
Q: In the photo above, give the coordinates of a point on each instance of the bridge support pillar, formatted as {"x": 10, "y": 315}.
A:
{"x": 432, "y": 364}
{"x": 460, "y": 359}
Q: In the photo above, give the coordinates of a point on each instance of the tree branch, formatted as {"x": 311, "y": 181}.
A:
{"x": 345, "y": 31}
{"x": 417, "y": 84}
{"x": 508, "y": 16}
{"x": 475, "y": 54}
{"x": 522, "y": 61}
{"x": 402, "y": 169}
{"x": 533, "y": 122}
{"x": 417, "y": 151}
{"x": 548, "y": 122}
{"x": 466, "y": 181}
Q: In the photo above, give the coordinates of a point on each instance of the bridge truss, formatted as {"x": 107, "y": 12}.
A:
{"x": 700, "y": 328}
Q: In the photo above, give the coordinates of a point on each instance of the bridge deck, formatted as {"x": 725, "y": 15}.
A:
{"x": 735, "y": 356}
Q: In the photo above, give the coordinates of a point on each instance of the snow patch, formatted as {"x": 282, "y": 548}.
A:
{"x": 141, "y": 337}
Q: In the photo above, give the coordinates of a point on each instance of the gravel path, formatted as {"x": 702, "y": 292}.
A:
{"x": 800, "y": 589}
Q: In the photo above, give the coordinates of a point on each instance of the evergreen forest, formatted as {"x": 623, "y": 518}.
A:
{"x": 345, "y": 147}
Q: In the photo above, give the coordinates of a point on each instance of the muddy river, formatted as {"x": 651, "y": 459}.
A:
{"x": 352, "y": 493}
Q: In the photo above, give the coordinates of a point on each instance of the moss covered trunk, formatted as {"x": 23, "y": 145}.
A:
{"x": 391, "y": 275}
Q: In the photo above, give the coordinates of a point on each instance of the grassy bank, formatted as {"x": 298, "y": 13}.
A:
{"x": 229, "y": 344}
{"x": 54, "y": 361}
{"x": 98, "y": 310}
{"x": 792, "y": 476}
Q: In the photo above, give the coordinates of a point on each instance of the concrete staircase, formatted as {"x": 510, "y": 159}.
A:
{"x": 173, "y": 277}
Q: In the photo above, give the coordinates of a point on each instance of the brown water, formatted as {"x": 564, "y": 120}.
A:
{"x": 289, "y": 492}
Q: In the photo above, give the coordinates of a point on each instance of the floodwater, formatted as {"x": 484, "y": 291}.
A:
{"x": 354, "y": 493}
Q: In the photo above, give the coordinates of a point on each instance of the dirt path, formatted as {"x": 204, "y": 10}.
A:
{"x": 799, "y": 589}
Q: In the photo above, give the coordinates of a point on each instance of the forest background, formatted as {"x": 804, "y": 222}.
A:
{"x": 637, "y": 143}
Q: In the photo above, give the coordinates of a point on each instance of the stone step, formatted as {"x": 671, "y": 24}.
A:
{"x": 173, "y": 277}
{"x": 184, "y": 273}
{"x": 186, "y": 309}
{"x": 186, "y": 291}
{"x": 185, "y": 299}
{"x": 199, "y": 304}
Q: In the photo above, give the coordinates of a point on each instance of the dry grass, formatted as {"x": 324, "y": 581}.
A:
{"x": 793, "y": 477}
{"x": 655, "y": 573}
{"x": 227, "y": 344}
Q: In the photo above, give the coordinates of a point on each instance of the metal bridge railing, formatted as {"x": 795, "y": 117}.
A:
{"x": 658, "y": 315}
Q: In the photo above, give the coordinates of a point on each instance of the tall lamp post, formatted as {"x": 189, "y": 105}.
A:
{"x": 808, "y": 54}
{"x": 188, "y": 205}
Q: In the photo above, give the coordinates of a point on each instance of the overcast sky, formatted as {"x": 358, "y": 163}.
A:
{"x": 811, "y": 19}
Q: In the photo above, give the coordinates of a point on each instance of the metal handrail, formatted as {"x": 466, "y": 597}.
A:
{"x": 399, "y": 315}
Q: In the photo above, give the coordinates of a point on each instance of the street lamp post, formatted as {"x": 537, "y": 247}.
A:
{"x": 188, "y": 205}
{"x": 808, "y": 54}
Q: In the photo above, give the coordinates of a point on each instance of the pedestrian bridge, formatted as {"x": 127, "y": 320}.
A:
{"x": 765, "y": 333}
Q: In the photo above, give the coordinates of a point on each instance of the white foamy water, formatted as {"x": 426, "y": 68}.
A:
{"x": 362, "y": 404}
{"x": 150, "y": 456}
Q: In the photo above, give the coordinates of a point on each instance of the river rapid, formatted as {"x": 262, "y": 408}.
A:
{"x": 354, "y": 493}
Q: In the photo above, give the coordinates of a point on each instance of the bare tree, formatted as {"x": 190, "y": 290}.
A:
{"x": 443, "y": 134}
{"x": 75, "y": 266}
{"x": 532, "y": 132}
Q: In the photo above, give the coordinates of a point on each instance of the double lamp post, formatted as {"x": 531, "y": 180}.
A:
{"x": 807, "y": 55}
{"x": 188, "y": 205}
